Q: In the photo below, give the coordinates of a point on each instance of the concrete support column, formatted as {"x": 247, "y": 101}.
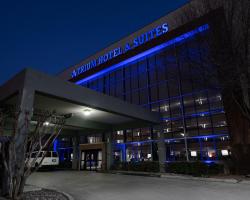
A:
{"x": 109, "y": 150}
{"x": 76, "y": 157}
{"x": 161, "y": 150}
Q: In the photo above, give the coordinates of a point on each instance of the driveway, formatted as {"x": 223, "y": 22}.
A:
{"x": 98, "y": 186}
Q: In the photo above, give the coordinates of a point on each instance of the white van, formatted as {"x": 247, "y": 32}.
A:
{"x": 51, "y": 159}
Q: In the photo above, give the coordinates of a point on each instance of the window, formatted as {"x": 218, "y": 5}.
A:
{"x": 152, "y": 76}
{"x": 48, "y": 154}
{"x": 143, "y": 96}
{"x": 135, "y": 97}
{"x": 191, "y": 126}
{"x": 175, "y": 107}
{"x": 54, "y": 154}
{"x": 163, "y": 91}
{"x": 189, "y": 105}
{"x": 165, "y": 109}
{"x": 154, "y": 93}
{"x": 172, "y": 82}
{"x": 174, "y": 88}
{"x": 94, "y": 139}
{"x": 142, "y": 80}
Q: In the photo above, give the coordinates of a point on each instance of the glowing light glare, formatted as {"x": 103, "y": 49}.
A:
{"x": 119, "y": 132}
{"x": 211, "y": 154}
{"x": 87, "y": 112}
{"x": 46, "y": 123}
{"x": 55, "y": 144}
{"x": 203, "y": 125}
{"x": 200, "y": 101}
{"x": 193, "y": 153}
{"x": 224, "y": 152}
{"x": 208, "y": 161}
{"x": 119, "y": 141}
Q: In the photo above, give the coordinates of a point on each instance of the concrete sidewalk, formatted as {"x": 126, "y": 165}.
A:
{"x": 223, "y": 179}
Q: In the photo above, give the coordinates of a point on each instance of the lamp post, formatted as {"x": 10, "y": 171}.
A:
{"x": 186, "y": 148}
{"x": 184, "y": 127}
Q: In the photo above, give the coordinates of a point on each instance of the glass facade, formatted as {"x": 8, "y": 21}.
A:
{"x": 172, "y": 81}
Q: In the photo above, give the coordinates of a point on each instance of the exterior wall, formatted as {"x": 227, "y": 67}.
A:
{"x": 158, "y": 91}
{"x": 240, "y": 138}
{"x": 174, "y": 19}
{"x": 169, "y": 82}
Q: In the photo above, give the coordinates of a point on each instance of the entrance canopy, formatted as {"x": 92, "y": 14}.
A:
{"x": 90, "y": 110}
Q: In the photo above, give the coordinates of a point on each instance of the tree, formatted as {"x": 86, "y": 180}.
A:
{"x": 229, "y": 53}
{"x": 41, "y": 132}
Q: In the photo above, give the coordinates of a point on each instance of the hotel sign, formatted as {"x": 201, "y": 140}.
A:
{"x": 137, "y": 41}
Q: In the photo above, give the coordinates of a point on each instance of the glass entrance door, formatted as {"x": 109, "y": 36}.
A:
{"x": 91, "y": 160}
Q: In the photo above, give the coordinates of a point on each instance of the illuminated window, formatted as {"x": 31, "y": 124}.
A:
{"x": 224, "y": 152}
{"x": 93, "y": 139}
{"x": 119, "y": 132}
{"x": 193, "y": 153}
{"x": 211, "y": 153}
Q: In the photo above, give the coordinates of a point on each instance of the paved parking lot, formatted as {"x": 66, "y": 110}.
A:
{"x": 98, "y": 186}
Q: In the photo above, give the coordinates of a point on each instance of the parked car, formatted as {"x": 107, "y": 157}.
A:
{"x": 50, "y": 160}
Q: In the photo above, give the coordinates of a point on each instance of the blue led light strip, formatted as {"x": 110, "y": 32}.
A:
{"x": 64, "y": 148}
{"x": 146, "y": 53}
{"x": 55, "y": 145}
{"x": 199, "y": 137}
{"x": 174, "y": 139}
{"x": 199, "y": 114}
{"x": 204, "y": 161}
{"x": 136, "y": 142}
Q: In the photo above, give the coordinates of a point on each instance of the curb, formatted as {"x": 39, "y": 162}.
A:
{"x": 136, "y": 174}
{"x": 64, "y": 193}
{"x": 200, "y": 179}
{"x": 31, "y": 188}
{"x": 182, "y": 177}
{"x": 67, "y": 195}
{"x": 245, "y": 182}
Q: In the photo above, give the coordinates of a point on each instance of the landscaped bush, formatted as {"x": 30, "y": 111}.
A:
{"x": 189, "y": 168}
{"x": 194, "y": 168}
{"x": 144, "y": 166}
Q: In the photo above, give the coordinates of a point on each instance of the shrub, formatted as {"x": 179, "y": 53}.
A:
{"x": 194, "y": 168}
{"x": 145, "y": 166}
{"x": 189, "y": 168}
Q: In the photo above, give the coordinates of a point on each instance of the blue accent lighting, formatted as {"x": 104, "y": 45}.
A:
{"x": 208, "y": 161}
{"x": 146, "y": 53}
{"x": 55, "y": 144}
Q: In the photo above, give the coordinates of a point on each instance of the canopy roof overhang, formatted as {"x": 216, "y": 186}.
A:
{"x": 51, "y": 93}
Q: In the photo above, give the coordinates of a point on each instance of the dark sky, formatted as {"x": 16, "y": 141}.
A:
{"x": 50, "y": 35}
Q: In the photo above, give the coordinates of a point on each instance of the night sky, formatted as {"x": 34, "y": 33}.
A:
{"x": 51, "y": 35}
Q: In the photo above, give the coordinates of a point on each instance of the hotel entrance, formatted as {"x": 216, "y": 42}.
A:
{"x": 91, "y": 160}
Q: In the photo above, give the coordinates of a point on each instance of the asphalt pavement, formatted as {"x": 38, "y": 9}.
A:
{"x": 99, "y": 186}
